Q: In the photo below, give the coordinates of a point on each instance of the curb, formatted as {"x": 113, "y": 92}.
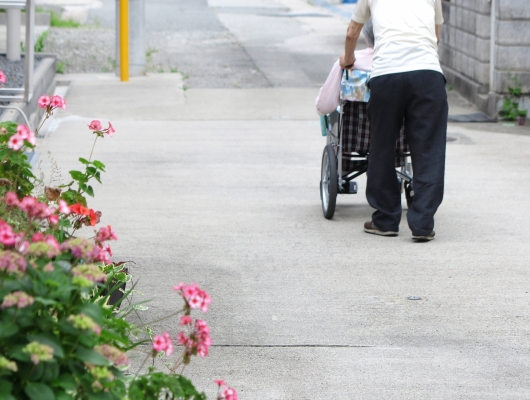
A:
{"x": 333, "y": 8}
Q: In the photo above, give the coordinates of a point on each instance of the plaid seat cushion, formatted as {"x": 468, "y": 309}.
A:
{"x": 356, "y": 136}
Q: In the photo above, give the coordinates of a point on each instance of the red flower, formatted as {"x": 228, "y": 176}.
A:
{"x": 93, "y": 216}
{"x": 79, "y": 209}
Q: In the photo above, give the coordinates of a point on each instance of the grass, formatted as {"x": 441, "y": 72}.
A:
{"x": 39, "y": 43}
{"x": 58, "y": 22}
{"x": 60, "y": 67}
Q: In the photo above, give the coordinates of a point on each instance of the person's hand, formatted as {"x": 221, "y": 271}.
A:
{"x": 347, "y": 62}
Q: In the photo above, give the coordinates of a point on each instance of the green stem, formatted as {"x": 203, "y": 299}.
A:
{"x": 175, "y": 366}
{"x": 42, "y": 123}
{"x": 141, "y": 366}
{"x": 91, "y": 151}
{"x": 161, "y": 319}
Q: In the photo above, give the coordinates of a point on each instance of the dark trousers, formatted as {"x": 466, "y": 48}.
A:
{"x": 420, "y": 98}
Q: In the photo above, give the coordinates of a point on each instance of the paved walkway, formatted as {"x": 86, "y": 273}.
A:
{"x": 220, "y": 187}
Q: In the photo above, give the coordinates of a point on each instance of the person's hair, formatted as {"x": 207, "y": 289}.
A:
{"x": 368, "y": 32}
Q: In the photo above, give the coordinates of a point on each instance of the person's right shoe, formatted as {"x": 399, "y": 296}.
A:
{"x": 426, "y": 238}
{"x": 369, "y": 227}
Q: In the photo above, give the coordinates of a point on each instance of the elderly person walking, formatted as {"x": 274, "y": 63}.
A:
{"x": 407, "y": 84}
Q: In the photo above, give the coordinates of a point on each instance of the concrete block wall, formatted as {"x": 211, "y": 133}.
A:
{"x": 465, "y": 49}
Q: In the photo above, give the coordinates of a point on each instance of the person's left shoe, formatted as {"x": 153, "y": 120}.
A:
{"x": 369, "y": 227}
{"x": 425, "y": 238}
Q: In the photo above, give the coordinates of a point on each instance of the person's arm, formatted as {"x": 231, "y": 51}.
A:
{"x": 352, "y": 35}
{"x": 438, "y": 19}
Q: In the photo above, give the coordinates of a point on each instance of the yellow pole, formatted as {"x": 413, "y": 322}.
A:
{"x": 124, "y": 40}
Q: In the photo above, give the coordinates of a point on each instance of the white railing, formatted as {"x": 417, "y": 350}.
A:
{"x": 13, "y": 25}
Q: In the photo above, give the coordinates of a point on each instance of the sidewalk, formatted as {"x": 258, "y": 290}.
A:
{"x": 220, "y": 187}
{"x": 305, "y": 308}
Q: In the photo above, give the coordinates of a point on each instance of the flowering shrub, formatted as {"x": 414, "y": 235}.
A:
{"x": 59, "y": 336}
{"x": 15, "y": 171}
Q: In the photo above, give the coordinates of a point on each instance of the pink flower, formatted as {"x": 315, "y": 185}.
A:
{"x": 53, "y": 219}
{"x": 106, "y": 233}
{"x": 52, "y": 241}
{"x": 110, "y": 130}
{"x": 23, "y": 131}
{"x": 201, "y": 326}
{"x": 182, "y": 338}
{"x": 15, "y": 142}
{"x": 11, "y": 199}
{"x": 230, "y": 394}
{"x": 32, "y": 139}
{"x": 185, "y": 320}
{"x": 57, "y": 102}
{"x": 38, "y": 237}
{"x": 95, "y": 125}
{"x": 2, "y": 77}
{"x": 63, "y": 207}
{"x": 104, "y": 254}
{"x": 202, "y": 350}
{"x": 44, "y": 101}
{"x": 194, "y": 296}
{"x": 195, "y": 302}
{"x": 159, "y": 343}
{"x": 178, "y": 287}
{"x": 7, "y": 236}
{"x": 163, "y": 343}
{"x": 219, "y": 382}
{"x": 18, "y": 299}
{"x": 12, "y": 263}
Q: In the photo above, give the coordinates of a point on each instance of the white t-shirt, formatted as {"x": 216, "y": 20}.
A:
{"x": 405, "y": 35}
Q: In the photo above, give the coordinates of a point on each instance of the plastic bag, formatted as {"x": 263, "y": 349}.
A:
{"x": 328, "y": 97}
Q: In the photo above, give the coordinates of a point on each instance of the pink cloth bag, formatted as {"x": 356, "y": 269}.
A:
{"x": 329, "y": 96}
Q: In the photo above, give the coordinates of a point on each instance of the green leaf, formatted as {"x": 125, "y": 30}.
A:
{"x": 89, "y": 191}
{"x": 98, "y": 165}
{"x": 63, "y": 396}
{"x": 7, "y": 329}
{"x": 84, "y": 161}
{"x": 5, "y": 389}
{"x": 63, "y": 265}
{"x": 67, "y": 382}
{"x": 46, "y": 302}
{"x": 65, "y": 223}
{"x": 90, "y": 356}
{"x": 93, "y": 311}
{"x": 66, "y": 185}
{"x": 91, "y": 170}
{"x": 16, "y": 353}
{"x": 39, "y": 391}
{"x": 108, "y": 336}
{"x": 78, "y": 176}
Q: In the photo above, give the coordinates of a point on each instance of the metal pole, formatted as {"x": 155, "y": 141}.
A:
{"x": 137, "y": 57}
{"x": 492, "y": 46}
{"x": 124, "y": 40}
{"x": 13, "y": 34}
{"x": 29, "y": 51}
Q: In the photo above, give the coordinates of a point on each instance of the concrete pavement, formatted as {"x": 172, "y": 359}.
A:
{"x": 220, "y": 187}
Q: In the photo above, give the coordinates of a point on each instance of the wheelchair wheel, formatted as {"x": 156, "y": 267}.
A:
{"x": 329, "y": 182}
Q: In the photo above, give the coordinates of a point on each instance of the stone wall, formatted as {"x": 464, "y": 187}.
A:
{"x": 465, "y": 50}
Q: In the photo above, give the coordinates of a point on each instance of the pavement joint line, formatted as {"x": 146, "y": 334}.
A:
{"x": 296, "y": 345}
{"x": 323, "y": 346}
